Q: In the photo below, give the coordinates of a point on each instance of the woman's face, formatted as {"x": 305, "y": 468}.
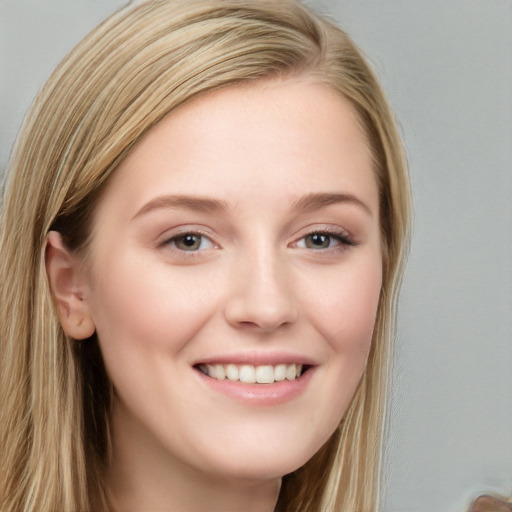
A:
{"x": 238, "y": 241}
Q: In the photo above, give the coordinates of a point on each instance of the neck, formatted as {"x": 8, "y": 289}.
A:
{"x": 143, "y": 476}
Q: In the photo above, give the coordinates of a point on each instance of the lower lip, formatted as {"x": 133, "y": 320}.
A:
{"x": 260, "y": 394}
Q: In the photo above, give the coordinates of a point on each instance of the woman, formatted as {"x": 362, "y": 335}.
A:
{"x": 203, "y": 233}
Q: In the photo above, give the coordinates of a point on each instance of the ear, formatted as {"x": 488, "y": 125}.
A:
{"x": 68, "y": 285}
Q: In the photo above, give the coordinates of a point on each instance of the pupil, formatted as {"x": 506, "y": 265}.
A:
{"x": 190, "y": 241}
{"x": 319, "y": 240}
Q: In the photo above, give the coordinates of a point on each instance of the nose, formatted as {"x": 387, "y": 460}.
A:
{"x": 263, "y": 295}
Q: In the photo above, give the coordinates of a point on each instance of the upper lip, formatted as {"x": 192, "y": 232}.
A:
{"x": 257, "y": 359}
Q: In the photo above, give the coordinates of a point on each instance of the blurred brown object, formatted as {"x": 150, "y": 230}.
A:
{"x": 490, "y": 504}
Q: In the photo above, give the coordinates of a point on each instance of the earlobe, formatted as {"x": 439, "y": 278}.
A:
{"x": 67, "y": 284}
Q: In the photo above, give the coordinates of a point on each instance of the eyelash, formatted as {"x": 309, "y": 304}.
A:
{"x": 192, "y": 233}
{"x": 342, "y": 238}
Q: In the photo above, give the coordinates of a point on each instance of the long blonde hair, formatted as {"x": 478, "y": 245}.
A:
{"x": 120, "y": 81}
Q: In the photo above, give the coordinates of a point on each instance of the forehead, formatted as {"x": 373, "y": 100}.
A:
{"x": 273, "y": 137}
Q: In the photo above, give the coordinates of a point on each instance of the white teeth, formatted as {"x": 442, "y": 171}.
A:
{"x": 264, "y": 374}
{"x": 280, "y": 372}
{"x": 220, "y": 373}
{"x": 291, "y": 372}
{"x": 232, "y": 372}
{"x": 249, "y": 374}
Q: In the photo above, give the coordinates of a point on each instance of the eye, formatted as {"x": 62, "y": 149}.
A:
{"x": 190, "y": 242}
{"x": 322, "y": 240}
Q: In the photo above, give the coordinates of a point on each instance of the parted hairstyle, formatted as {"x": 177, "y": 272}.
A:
{"x": 119, "y": 82}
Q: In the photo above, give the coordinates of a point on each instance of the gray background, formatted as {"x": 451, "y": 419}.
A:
{"x": 447, "y": 68}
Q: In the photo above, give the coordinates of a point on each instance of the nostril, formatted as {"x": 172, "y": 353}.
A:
{"x": 261, "y": 303}
{"x": 262, "y": 327}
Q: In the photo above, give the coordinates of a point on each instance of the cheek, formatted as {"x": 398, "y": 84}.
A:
{"x": 343, "y": 311}
{"x": 346, "y": 308}
{"x": 150, "y": 311}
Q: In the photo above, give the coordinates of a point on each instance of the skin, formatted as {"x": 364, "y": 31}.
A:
{"x": 258, "y": 283}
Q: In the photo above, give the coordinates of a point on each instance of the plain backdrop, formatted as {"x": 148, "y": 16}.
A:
{"x": 447, "y": 68}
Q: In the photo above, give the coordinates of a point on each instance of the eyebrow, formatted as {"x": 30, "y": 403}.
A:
{"x": 307, "y": 203}
{"x": 194, "y": 203}
{"x": 316, "y": 201}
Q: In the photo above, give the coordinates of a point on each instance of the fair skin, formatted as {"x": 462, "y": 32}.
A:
{"x": 242, "y": 231}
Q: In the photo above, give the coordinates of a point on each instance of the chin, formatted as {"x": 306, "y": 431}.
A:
{"x": 264, "y": 461}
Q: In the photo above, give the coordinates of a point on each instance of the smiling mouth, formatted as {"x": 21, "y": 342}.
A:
{"x": 250, "y": 374}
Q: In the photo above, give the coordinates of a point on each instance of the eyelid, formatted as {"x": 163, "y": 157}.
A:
{"x": 172, "y": 234}
{"x": 196, "y": 237}
{"x": 344, "y": 238}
